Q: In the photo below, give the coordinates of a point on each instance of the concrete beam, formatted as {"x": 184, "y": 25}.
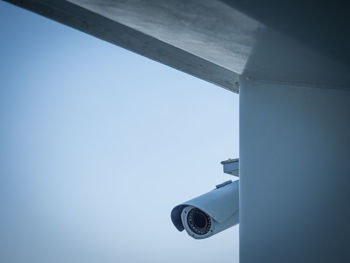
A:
{"x": 191, "y": 36}
{"x": 209, "y": 39}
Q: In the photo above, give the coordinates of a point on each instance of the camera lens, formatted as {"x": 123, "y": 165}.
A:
{"x": 198, "y": 221}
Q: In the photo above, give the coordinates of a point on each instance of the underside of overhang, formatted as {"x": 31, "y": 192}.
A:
{"x": 217, "y": 41}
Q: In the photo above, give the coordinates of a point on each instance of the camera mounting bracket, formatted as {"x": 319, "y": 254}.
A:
{"x": 231, "y": 166}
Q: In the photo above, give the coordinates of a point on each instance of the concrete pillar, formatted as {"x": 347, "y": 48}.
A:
{"x": 294, "y": 173}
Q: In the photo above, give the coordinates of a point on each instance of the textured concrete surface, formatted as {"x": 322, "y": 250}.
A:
{"x": 208, "y": 29}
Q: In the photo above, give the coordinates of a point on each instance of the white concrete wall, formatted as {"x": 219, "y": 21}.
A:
{"x": 294, "y": 173}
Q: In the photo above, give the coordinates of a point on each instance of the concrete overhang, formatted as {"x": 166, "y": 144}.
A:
{"x": 211, "y": 39}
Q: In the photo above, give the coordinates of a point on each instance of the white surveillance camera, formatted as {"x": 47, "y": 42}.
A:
{"x": 210, "y": 213}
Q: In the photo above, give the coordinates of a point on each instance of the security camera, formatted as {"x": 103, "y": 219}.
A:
{"x": 210, "y": 213}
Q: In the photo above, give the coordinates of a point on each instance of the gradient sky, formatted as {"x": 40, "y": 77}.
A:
{"x": 98, "y": 144}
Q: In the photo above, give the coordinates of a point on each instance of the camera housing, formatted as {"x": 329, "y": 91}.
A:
{"x": 210, "y": 213}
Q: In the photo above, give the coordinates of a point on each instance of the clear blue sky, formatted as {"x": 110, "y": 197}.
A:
{"x": 99, "y": 144}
